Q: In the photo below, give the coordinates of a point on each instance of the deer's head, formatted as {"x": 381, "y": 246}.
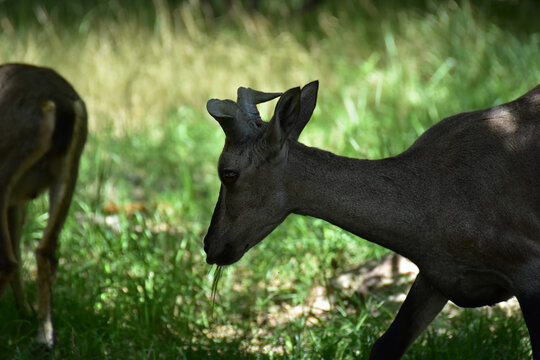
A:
{"x": 253, "y": 198}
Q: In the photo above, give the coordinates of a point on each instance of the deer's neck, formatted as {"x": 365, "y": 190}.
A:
{"x": 379, "y": 200}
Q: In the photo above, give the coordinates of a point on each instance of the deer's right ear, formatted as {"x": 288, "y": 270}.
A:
{"x": 285, "y": 117}
{"x": 308, "y": 100}
{"x": 227, "y": 114}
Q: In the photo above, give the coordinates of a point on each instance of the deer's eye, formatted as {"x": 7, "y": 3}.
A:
{"x": 229, "y": 176}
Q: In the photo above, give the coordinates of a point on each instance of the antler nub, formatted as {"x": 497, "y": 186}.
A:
{"x": 248, "y": 99}
{"x": 230, "y": 117}
{"x": 239, "y": 119}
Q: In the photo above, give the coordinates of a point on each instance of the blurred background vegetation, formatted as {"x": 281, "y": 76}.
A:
{"x": 132, "y": 281}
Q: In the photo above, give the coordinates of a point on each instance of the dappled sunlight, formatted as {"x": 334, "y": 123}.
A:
{"x": 372, "y": 290}
{"x": 132, "y": 278}
{"x": 502, "y": 121}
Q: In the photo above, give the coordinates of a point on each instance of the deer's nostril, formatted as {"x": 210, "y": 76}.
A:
{"x": 205, "y": 247}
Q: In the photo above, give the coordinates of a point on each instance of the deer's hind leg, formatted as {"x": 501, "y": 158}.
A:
{"x": 529, "y": 301}
{"x": 531, "y": 312}
{"x": 8, "y": 261}
{"x": 16, "y": 215}
{"x": 12, "y": 166}
{"x": 60, "y": 195}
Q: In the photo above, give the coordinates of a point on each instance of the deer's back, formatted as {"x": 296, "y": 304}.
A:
{"x": 481, "y": 178}
{"x": 491, "y": 150}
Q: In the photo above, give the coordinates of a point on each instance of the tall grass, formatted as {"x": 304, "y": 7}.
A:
{"x": 132, "y": 281}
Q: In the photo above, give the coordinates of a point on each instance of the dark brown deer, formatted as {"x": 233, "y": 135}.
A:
{"x": 43, "y": 130}
{"x": 463, "y": 202}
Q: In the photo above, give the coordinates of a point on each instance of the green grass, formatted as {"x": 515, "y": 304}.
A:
{"x": 133, "y": 284}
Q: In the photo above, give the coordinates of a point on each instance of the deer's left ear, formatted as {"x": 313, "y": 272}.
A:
{"x": 286, "y": 117}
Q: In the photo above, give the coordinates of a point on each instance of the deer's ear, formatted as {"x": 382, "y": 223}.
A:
{"x": 308, "y": 100}
{"x": 221, "y": 110}
{"x": 285, "y": 117}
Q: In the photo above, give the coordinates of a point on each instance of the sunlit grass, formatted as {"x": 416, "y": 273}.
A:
{"x": 132, "y": 280}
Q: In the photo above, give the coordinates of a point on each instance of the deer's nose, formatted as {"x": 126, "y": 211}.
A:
{"x": 210, "y": 251}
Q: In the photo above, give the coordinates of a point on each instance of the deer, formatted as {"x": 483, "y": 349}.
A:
{"x": 43, "y": 130}
{"x": 462, "y": 202}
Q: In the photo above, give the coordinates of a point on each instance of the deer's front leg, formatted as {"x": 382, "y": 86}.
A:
{"x": 421, "y": 306}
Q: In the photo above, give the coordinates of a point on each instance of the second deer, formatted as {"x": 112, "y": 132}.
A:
{"x": 43, "y": 129}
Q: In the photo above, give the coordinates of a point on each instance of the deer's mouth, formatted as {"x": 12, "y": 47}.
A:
{"x": 228, "y": 255}
{"x": 230, "y": 252}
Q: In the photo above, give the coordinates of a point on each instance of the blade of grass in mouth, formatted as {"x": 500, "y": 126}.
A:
{"x": 217, "y": 275}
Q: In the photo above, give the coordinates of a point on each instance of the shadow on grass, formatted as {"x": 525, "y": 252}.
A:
{"x": 84, "y": 333}
{"x": 497, "y": 332}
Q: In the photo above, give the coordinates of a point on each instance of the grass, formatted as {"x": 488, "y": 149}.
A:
{"x": 132, "y": 281}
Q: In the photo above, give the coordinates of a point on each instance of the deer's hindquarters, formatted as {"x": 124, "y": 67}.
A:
{"x": 43, "y": 129}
